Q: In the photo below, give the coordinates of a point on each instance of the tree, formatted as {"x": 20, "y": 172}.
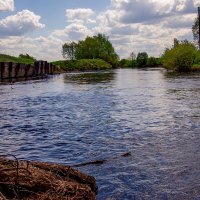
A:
{"x": 152, "y": 62}
{"x": 132, "y": 56}
{"x": 176, "y": 42}
{"x": 195, "y": 30}
{"x": 180, "y": 58}
{"x": 68, "y": 50}
{"x": 142, "y": 59}
{"x": 96, "y": 47}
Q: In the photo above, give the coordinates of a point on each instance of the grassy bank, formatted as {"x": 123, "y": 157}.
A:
{"x": 7, "y": 58}
{"x": 196, "y": 68}
{"x": 29, "y": 180}
{"x": 83, "y": 65}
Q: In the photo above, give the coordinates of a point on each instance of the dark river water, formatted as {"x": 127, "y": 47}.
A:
{"x": 83, "y": 117}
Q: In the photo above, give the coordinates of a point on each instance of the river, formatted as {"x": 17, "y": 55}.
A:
{"x": 82, "y": 117}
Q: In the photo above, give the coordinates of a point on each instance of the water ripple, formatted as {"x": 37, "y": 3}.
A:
{"x": 81, "y": 117}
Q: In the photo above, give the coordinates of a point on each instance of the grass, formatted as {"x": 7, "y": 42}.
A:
{"x": 196, "y": 68}
{"x": 83, "y": 65}
{"x": 7, "y": 58}
{"x": 29, "y": 180}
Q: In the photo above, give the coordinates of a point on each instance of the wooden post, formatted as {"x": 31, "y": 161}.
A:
{"x": 51, "y": 68}
{"x": 36, "y": 65}
{"x": 17, "y": 70}
{"x": 10, "y": 68}
{"x": 1, "y": 70}
{"x": 199, "y": 25}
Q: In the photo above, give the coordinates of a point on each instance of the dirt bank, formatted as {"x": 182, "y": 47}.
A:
{"x": 28, "y": 180}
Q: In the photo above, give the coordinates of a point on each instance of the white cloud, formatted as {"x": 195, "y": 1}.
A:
{"x": 148, "y": 11}
{"x": 42, "y": 48}
{"x": 132, "y": 25}
{"x": 147, "y": 25}
{"x": 74, "y": 31}
{"x": 6, "y": 5}
{"x": 19, "y": 24}
{"x": 80, "y": 14}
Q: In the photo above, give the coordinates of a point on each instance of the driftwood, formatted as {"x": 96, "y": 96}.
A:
{"x": 26, "y": 180}
{"x": 100, "y": 162}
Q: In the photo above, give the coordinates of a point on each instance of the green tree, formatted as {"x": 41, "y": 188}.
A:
{"x": 142, "y": 59}
{"x": 68, "y": 50}
{"x": 152, "y": 62}
{"x": 181, "y": 57}
{"x": 96, "y": 47}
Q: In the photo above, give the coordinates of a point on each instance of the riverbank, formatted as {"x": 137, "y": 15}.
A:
{"x": 195, "y": 68}
{"x": 40, "y": 180}
{"x": 82, "y": 65}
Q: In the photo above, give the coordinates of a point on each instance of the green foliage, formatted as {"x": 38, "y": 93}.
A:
{"x": 68, "y": 50}
{"x": 20, "y": 59}
{"x": 92, "y": 48}
{"x": 152, "y": 62}
{"x": 83, "y": 65}
{"x": 125, "y": 63}
{"x": 142, "y": 59}
{"x": 26, "y": 56}
{"x": 197, "y": 58}
{"x": 181, "y": 57}
{"x": 195, "y": 68}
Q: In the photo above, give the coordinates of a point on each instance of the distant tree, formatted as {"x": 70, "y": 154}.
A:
{"x": 132, "y": 56}
{"x": 142, "y": 59}
{"x": 181, "y": 57}
{"x": 26, "y": 56}
{"x": 152, "y": 62}
{"x": 96, "y": 47}
{"x": 68, "y": 50}
{"x": 122, "y": 63}
{"x": 195, "y": 30}
{"x": 176, "y": 42}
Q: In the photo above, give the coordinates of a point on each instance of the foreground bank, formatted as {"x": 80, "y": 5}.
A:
{"x": 39, "y": 180}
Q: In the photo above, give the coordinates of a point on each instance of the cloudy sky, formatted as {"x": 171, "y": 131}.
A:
{"x": 39, "y": 28}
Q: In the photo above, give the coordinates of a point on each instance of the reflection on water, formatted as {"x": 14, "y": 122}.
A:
{"x": 14, "y": 80}
{"x": 89, "y": 78}
{"x": 82, "y": 117}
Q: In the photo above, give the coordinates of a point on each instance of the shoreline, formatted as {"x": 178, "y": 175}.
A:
{"x": 41, "y": 180}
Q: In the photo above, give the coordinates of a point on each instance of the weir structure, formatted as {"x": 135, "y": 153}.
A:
{"x": 12, "y": 72}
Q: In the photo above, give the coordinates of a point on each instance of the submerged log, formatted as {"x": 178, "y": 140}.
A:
{"x": 27, "y": 180}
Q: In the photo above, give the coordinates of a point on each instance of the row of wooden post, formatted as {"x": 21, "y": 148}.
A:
{"x": 9, "y": 70}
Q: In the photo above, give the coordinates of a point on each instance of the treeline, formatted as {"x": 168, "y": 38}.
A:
{"x": 94, "y": 52}
{"x": 142, "y": 60}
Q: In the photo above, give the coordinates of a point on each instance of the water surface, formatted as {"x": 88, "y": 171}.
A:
{"x": 82, "y": 117}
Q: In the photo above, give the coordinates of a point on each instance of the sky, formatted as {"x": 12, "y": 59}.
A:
{"x": 40, "y": 28}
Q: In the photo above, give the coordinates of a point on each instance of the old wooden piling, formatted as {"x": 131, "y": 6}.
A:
{"x": 10, "y": 72}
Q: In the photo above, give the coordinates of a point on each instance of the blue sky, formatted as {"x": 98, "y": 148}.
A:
{"x": 39, "y": 28}
{"x": 52, "y": 12}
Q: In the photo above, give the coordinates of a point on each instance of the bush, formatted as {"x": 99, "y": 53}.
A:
{"x": 124, "y": 63}
{"x": 180, "y": 58}
{"x": 83, "y": 65}
{"x": 142, "y": 59}
{"x": 152, "y": 62}
{"x": 197, "y": 58}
